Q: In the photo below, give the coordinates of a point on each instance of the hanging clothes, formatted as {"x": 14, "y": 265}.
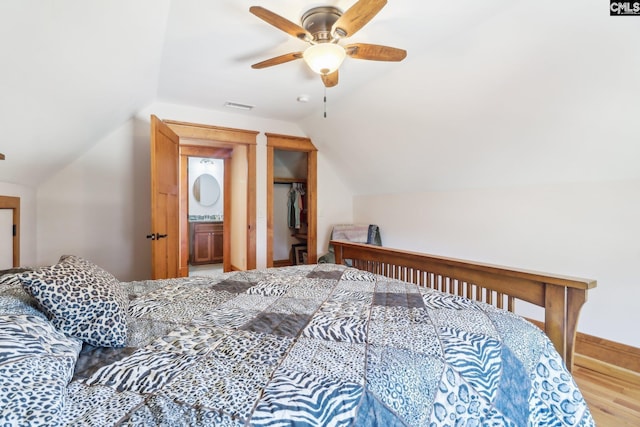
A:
{"x": 291, "y": 213}
{"x": 295, "y": 205}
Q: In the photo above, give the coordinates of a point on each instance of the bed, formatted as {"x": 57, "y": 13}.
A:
{"x": 305, "y": 345}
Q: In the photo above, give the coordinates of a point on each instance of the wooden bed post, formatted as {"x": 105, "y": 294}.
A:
{"x": 338, "y": 254}
{"x": 562, "y": 310}
{"x": 555, "y": 317}
{"x": 575, "y": 300}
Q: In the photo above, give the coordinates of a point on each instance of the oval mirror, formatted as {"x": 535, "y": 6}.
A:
{"x": 206, "y": 189}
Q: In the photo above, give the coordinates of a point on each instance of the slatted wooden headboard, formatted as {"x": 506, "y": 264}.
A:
{"x": 561, "y": 297}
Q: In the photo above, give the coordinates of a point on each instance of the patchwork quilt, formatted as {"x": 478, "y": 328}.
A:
{"x": 318, "y": 345}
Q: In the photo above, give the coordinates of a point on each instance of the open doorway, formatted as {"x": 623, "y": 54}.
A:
{"x": 290, "y": 208}
{"x": 238, "y": 149}
{"x": 205, "y": 200}
{"x": 296, "y": 159}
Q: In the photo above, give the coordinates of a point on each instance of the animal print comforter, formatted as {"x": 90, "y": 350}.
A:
{"x": 319, "y": 345}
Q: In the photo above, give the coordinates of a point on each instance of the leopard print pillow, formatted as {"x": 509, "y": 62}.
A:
{"x": 81, "y": 300}
{"x": 37, "y": 364}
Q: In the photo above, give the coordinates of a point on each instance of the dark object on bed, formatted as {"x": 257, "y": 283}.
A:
{"x": 304, "y": 345}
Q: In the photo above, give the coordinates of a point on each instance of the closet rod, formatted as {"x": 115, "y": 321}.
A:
{"x": 289, "y": 180}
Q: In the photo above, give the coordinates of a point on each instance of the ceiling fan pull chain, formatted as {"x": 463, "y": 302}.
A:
{"x": 325, "y": 102}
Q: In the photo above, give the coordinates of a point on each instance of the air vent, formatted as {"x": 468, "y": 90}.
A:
{"x": 238, "y": 106}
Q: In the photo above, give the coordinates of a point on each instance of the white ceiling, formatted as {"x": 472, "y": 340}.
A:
{"x": 498, "y": 92}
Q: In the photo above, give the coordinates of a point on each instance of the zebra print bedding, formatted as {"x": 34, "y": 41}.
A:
{"x": 319, "y": 345}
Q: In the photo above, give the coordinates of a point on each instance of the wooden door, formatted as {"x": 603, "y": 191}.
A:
{"x": 165, "y": 236}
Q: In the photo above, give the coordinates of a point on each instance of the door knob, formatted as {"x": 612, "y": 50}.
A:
{"x": 156, "y": 236}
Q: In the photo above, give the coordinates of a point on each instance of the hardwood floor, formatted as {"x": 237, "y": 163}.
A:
{"x": 613, "y": 402}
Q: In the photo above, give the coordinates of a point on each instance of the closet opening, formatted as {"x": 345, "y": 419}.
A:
{"x": 290, "y": 208}
{"x": 291, "y": 201}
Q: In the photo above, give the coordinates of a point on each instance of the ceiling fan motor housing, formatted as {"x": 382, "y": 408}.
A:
{"x": 318, "y": 22}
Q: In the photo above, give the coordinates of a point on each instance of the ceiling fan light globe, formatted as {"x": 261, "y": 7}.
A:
{"x": 324, "y": 58}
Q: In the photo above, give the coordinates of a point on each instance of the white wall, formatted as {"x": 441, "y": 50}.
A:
{"x": 335, "y": 202}
{"x": 28, "y": 243}
{"x": 588, "y": 230}
{"x": 98, "y": 206}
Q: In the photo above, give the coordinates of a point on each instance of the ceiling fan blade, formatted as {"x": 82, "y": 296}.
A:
{"x": 356, "y": 17}
{"x": 330, "y": 80}
{"x": 278, "y": 60}
{"x": 281, "y": 23}
{"x": 375, "y": 52}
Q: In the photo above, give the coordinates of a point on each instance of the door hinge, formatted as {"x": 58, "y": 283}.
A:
{"x": 15, "y": 230}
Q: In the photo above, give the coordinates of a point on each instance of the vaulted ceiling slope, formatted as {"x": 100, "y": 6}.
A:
{"x": 72, "y": 71}
{"x": 492, "y": 93}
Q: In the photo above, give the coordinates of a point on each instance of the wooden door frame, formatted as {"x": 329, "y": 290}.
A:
{"x": 199, "y": 135}
{"x": 187, "y": 151}
{"x": 294, "y": 143}
{"x": 13, "y": 203}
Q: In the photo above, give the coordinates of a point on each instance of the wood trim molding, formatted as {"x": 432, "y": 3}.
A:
{"x": 282, "y": 263}
{"x": 183, "y": 200}
{"x": 226, "y": 231}
{"x": 613, "y": 353}
{"x": 312, "y": 207}
{"x": 213, "y": 133}
{"x": 270, "y": 155}
{"x": 607, "y": 369}
{"x": 205, "y": 151}
{"x": 288, "y": 142}
{"x": 252, "y": 207}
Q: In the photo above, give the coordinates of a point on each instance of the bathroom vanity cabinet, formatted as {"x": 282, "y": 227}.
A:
{"x": 206, "y": 242}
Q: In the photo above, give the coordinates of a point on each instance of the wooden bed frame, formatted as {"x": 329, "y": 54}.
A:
{"x": 561, "y": 297}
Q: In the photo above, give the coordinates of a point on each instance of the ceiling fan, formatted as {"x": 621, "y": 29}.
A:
{"x": 323, "y": 28}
